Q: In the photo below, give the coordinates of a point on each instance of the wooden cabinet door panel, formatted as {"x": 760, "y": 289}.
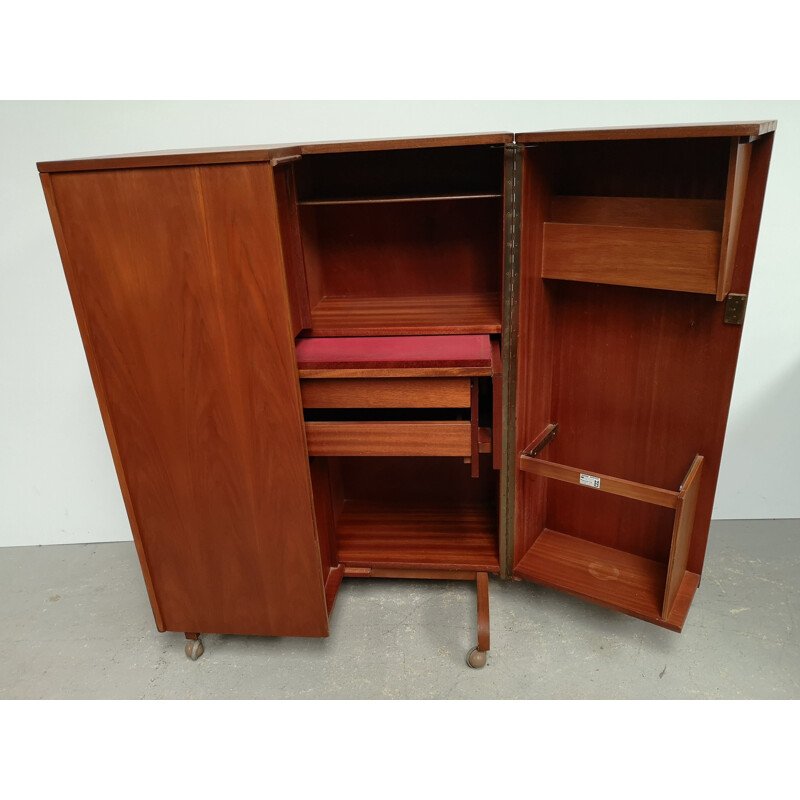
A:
{"x": 177, "y": 279}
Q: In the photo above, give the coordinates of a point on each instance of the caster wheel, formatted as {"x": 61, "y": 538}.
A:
{"x": 194, "y": 649}
{"x": 476, "y": 658}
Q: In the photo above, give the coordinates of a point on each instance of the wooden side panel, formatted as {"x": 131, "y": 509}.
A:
{"x": 293, "y": 259}
{"x": 534, "y": 351}
{"x": 734, "y": 203}
{"x": 682, "y": 533}
{"x": 655, "y": 258}
{"x": 177, "y": 279}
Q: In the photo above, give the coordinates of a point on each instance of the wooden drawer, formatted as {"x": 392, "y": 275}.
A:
{"x": 389, "y": 438}
{"x": 385, "y": 392}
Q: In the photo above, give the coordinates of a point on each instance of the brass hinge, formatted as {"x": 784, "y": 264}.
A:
{"x": 735, "y": 305}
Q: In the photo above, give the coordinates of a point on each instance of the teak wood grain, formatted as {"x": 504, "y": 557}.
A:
{"x": 643, "y": 212}
{"x": 677, "y": 131}
{"x": 263, "y": 153}
{"x": 734, "y": 203}
{"x": 618, "y": 486}
{"x": 656, "y": 258}
{"x": 606, "y": 576}
{"x": 386, "y": 393}
{"x": 418, "y": 537}
{"x": 420, "y": 315}
{"x": 388, "y": 438}
{"x": 177, "y": 280}
{"x": 682, "y": 533}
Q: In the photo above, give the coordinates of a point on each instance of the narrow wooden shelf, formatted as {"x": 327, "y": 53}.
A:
{"x": 606, "y": 576}
{"x": 397, "y": 199}
{"x": 422, "y": 315}
{"x": 444, "y": 537}
{"x": 685, "y": 260}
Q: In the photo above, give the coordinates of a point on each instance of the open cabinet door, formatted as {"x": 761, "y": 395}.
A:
{"x": 637, "y": 245}
{"x": 177, "y": 280}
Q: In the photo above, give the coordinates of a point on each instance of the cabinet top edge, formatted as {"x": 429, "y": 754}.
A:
{"x": 675, "y": 131}
{"x": 243, "y": 154}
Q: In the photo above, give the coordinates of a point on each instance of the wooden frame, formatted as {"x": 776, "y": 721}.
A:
{"x": 592, "y": 263}
{"x": 683, "y": 502}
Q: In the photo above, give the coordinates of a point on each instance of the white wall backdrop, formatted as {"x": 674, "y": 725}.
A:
{"x": 57, "y": 480}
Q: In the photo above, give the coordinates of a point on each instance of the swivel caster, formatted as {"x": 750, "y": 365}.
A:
{"x": 476, "y": 658}
{"x": 194, "y": 649}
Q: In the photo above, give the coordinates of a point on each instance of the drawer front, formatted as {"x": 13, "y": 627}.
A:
{"x": 385, "y": 392}
{"x": 389, "y": 438}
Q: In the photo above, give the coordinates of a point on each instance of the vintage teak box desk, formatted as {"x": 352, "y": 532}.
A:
{"x": 426, "y": 358}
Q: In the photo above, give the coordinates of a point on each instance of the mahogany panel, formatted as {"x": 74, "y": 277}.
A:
{"x": 262, "y": 153}
{"x": 497, "y": 405}
{"x": 388, "y": 438}
{"x": 177, "y": 278}
{"x": 386, "y": 393}
{"x": 605, "y": 576}
{"x": 533, "y": 400}
{"x": 734, "y": 202}
{"x": 650, "y": 390}
{"x": 332, "y": 584}
{"x": 678, "y": 131}
{"x": 682, "y": 533}
{"x": 292, "y": 246}
{"x": 412, "y": 574}
{"x": 657, "y": 258}
{"x": 418, "y": 537}
{"x": 407, "y": 315}
{"x": 605, "y": 483}
{"x": 408, "y": 249}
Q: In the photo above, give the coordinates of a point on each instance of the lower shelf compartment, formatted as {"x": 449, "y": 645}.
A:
{"x": 418, "y": 537}
{"x": 605, "y": 576}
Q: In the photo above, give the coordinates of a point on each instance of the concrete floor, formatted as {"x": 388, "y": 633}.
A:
{"x": 76, "y": 623}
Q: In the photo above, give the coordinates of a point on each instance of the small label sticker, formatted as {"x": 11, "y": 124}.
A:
{"x": 590, "y": 480}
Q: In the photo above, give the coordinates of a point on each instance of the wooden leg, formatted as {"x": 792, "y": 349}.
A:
{"x": 477, "y": 656}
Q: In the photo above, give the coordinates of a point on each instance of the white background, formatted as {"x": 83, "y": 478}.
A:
{"x": 57, "y": 480}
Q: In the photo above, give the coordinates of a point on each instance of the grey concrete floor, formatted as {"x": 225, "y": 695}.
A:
{"x": 76, "y": 623}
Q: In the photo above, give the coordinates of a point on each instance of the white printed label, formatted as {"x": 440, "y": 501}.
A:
{"x": 590, "y": 480}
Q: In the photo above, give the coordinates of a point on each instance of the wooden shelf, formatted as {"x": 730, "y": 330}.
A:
{"x": 422, "y": 537}
{"x": 606, "y": 576}
{"x": 396, "y": 199}
{"x": 421, "y": 315}
{"x": 685, "y": 260}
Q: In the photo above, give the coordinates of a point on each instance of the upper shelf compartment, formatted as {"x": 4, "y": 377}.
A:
{"x": 400, "y": 242}
{"x": 655, "y": 213}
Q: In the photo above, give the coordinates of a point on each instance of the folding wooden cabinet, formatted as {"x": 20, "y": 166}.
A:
{"x": 422, "y": 358}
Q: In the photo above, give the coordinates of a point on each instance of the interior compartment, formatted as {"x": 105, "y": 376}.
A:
{"x": 400, "y": 241}
{"x": 659, "y": 213}
{"x": 634, "y": 378}
{"x": 410, "y": 513}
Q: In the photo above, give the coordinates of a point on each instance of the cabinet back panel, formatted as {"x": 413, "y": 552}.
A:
{"x": 687, "y": 168}
{"x": 443, "y": 247}
{"x": 439, "y": 170}
{"x": 641, "y": 384}
{"x": 178, "y": 285}
{"x": 424, "y": 481}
